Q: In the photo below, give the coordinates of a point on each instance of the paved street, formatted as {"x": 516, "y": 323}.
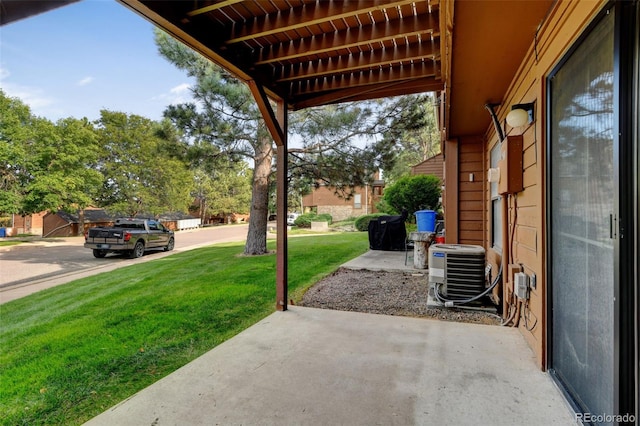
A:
{"x": 30, "y": 267}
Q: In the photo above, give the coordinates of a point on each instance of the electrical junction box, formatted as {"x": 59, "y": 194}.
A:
{"x": 521, "y": 285}
{"x": 511, "y": 166}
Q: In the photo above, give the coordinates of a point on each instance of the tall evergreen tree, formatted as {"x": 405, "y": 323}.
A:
{"x": 224, "y": 124}
{"x": 413, "y": 134}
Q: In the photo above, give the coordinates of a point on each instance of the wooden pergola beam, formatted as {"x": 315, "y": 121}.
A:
{"x": 367, "y": 79}
{"x": 272, "y": 122}
{"x": 361, "y": 62}
{"x": 423, "y": 26}
{"x": 312, "y": 14}
{"x": 358, "y": 93}
{"x": 212, "y": 7}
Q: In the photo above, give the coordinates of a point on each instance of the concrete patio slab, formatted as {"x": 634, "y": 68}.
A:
{"x": 390, "y": 261}
{"x": 309, "y": 366}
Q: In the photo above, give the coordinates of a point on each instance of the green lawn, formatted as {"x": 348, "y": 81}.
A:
{"x": 70, "y": 352}
{"x": 9, "y": 243}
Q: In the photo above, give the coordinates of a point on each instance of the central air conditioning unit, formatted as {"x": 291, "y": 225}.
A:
{"x": 456, "y": 271}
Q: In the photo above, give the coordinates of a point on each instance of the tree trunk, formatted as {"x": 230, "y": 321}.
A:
{"x": 257, "y": 234}
{"x": 81, "y": 222}
{"x": 203, "y": 211}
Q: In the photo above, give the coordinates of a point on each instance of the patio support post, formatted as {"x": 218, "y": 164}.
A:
{"x": 277, "y": 124}
{"x": 282, "y": 249}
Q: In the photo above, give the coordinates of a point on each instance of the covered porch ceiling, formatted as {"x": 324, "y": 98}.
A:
{"x": 317, "y": 52}
{"x": 309, "y": 53}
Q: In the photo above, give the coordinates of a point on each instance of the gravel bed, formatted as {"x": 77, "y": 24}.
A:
{"x": 387, "y": 293}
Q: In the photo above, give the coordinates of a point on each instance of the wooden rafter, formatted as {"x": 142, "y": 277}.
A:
{"x": 360, "y": 93}
{"x": 269, "y": 116}
{"x": 363, "y": 61}
{"x": 351, "y": 39}
{"x": 312, "y": 14}
{"x": 212, "y": 7}
{"x": 389, "y": 75}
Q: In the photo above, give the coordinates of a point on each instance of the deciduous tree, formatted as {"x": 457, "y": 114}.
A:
{"x": 16, "y": 134}
{"x": 63, "y": 174}
{"x": 141, "y": 172}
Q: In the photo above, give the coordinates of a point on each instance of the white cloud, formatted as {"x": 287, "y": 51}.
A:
{"x": 31, "y": 96}
{"x": 85, "y": 81}
{"x": 34, "y": 97}
{"x": 177, "y": 95}
{"x": 4, "y": 73}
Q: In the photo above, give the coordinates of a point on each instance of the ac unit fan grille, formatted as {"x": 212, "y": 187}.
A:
{"x": 464, "y": 275}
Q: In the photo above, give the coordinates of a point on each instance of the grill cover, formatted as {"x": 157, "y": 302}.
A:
{"x": 388, "y": 233}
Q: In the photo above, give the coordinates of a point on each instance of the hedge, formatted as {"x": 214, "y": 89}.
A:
{"x": 304, "y": 220}
{"x": 362, "y": 223}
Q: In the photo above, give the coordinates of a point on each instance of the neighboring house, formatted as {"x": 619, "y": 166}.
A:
{"x": 64, "y": 224}
{"x": 179, "y": 221}
{"x": 199, "y": 204}
{"x": 29, "y": 224}
{"x": 431, "y": 166}
{"x": 324, "y": 200}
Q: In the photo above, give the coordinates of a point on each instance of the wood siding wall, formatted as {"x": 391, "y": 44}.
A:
{"x": 464, "y": 204}
{"x": 471, "y": 192}
{"x": 432, "y": 166}
{"x": 527, "y": 209}
{"x": 55, "y": 226}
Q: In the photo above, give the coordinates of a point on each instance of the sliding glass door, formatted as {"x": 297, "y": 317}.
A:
{"x": 583, "y": 221}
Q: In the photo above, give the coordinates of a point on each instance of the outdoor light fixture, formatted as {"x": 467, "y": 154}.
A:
{"x": 520, "y": 115}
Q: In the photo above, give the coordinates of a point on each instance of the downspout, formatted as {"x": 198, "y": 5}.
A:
{"x": 505, "y": 254}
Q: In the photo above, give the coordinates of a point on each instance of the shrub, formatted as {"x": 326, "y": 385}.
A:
{"x": 414, "y": 193}
{"x": 304, "y": 220}
{"x": 362, "y": 223}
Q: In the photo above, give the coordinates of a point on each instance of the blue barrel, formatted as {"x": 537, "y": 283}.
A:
{"x": 3, "y": 233}
{"x": 426, "y": 220}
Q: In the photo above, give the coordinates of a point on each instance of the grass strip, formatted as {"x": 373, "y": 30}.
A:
{"x": 70, "y": 352}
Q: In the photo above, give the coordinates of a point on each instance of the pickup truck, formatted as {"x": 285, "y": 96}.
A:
{"x": 130, "y": 236}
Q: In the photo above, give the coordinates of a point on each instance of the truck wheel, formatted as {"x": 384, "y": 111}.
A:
{"x": 99, "y": 253}
{"x": 138, "y": 250}
{"x": 169, "y": 245}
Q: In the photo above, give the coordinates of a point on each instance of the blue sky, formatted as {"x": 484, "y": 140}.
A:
{"x": 87, "y": 56}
